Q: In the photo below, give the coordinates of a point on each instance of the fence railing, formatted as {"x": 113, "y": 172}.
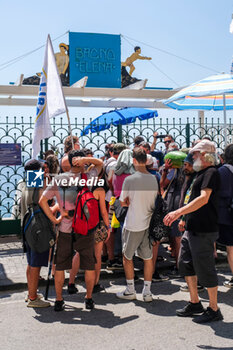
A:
{"x": 20, "y": 130}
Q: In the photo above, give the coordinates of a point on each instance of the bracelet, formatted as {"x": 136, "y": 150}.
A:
{"x": 108, "y": 226}
{"x": 165, "y": 170}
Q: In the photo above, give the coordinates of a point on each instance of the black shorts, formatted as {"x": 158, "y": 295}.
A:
{"x": 197, "y": 257}
{"x": 84, "y": 245}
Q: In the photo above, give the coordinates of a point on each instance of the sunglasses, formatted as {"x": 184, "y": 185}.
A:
{"x": 167, "y": 141}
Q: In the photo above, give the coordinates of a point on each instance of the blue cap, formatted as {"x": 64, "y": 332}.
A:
{"x": 189, "y": 159}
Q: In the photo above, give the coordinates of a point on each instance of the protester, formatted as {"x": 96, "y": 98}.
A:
{"x": 138, "y": 193}
{"x": 64, "y": 164}
{"x": 35, "y": 260}
{"x": 66, "y": 198}
{"x": 226, "y": 208}
{"x": 196, "y": 260}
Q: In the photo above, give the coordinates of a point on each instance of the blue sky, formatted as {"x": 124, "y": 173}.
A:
{"x": 197, "y": 30}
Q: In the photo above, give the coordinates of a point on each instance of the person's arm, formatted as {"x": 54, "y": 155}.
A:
{"x": 164, "y": 181}
{"x": 99, "y": 193}
{"x": 194, "y": 205}
{"x": 143, "y": 58}
{"x": 152, "y": 147}
{"x": 43, "y": 202}
{"x": 88, "y": 160}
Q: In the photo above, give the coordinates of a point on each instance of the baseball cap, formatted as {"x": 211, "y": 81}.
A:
{"x": 33, "y": 164}
{"x": 118, "y": 148}
{"x": 189, "y": 159}
{"x": 204, "y": 146}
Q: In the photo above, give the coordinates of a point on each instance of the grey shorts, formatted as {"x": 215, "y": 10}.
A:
{"x": 136, "y": 241}
{"x": 197, "y": 257}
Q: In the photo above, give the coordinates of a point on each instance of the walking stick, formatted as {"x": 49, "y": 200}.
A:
{"x": 52, "y": 254}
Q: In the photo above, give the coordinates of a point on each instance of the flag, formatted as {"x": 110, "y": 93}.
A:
{"x": 231, "y": 26}
{"x": 51, "y": 101}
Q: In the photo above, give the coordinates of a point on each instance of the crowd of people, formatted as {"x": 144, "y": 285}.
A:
{"x": 198, "y": 196}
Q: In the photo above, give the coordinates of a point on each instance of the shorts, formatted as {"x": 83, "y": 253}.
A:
{"x": 226, "y": 235}
{"x": 174, "y": 232}
{"x": 136, "y": 241}
{"x": 37, "y": 259}
{"x": 84, "y": 245}
{"x": 101, "y": 232}
{"x": 197, "y": 257}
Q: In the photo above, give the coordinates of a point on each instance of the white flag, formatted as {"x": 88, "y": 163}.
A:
{"x": 231, "y": 26}
{"x": 51, "y": 101}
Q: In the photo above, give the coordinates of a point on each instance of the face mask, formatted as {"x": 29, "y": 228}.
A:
{"x": 197, "y": 165}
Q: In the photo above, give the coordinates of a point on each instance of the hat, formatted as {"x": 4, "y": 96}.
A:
{"x": 64, "y": 45}
{"x": 204, "y": 146}
{"x": 33, "y": 164}
{"x": 189, "y": 159}
{"x": 118, "y": 148}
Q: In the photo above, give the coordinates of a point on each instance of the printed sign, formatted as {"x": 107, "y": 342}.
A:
{"x": 97, "y": 56}
{"x": 10, "y": 154}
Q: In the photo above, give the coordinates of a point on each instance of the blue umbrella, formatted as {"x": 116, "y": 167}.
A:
{"x": 212, "y": 93}
{"x": 118, "y": 117}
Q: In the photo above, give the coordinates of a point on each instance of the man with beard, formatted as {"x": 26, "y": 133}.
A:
{"x": 196, "y": 260}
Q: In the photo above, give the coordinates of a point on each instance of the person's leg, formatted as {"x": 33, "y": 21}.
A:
{"x": 213, "y": 298}
{"x": 110, "y": 246}
{"x": 98, "y": 251}
{"x": 230, "y": 257}
{"x": 34, "y": 273}
{"x": 59, "y": 279}
{"x": 155, "y": 255}
{"x": 148, "y": 270}
{"x": 89, "y": 281}
{"x": 177, "y": 241}
{"x": 192, "y": 286}
{"x": 132, "y": 68}
{"x": 75, "y": 268}
{"x": 128, "y": 268}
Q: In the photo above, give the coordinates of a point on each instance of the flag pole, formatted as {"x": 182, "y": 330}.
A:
{"x": 69, "y": 127}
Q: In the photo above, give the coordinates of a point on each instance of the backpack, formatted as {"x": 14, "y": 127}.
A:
{"x": 157, "y": 229}
{"x": 86, "y": 213}
{"x": 37, "y": 228}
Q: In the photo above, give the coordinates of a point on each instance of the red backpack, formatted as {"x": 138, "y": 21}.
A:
{"x": 86, "y": 213}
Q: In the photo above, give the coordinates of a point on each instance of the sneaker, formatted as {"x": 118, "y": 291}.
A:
{"x": 89, "y": 304}
{"x": 39, "y": 296}
{"x": 98, "y": 288}
{"x": 72, "y": 289}
{"x": 104, "y": 259}
{"x": 174, "y": 273}
{"x": 228, "y": 284}
{"x": 209, "y": 316}
{"x": 38, "y": 303}
{"x": 185, "y": 288}
{"x": 114, "y": 265}
{"x": 59, "y": 305}
{"x": 126, "y": 295}
{"x": 157, "y": 277}
{"x": 147, "y": 297}
{"x": 190, "y": 309}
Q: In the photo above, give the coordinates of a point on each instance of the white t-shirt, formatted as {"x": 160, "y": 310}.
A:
{"x": 142, "y": 190}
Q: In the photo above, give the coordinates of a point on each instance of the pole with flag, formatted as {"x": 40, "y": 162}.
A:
{"x": 51, "y": 100}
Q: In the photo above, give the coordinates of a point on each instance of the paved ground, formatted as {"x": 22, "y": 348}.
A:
{"x": 114, "y": 324}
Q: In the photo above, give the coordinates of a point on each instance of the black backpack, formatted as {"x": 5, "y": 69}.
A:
{"x": 37, "y": 228}
{"x": 157, "y": 229}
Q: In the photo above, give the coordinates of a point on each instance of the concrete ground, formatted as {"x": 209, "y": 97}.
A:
{"x": 114, "y": 323}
